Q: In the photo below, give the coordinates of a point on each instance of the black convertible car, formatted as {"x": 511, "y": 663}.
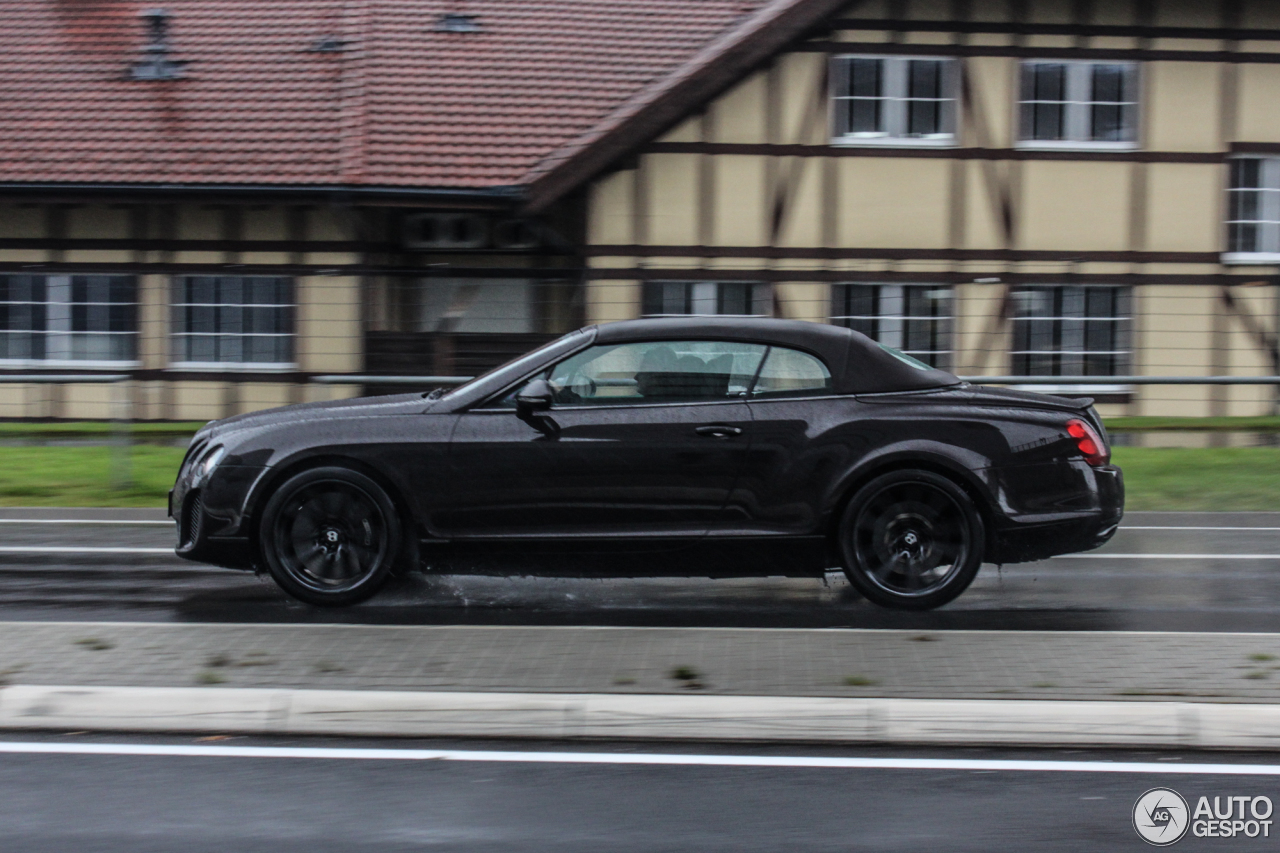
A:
{"x": 687, "y": 446}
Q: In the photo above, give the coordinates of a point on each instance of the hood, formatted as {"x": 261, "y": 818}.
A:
{"x": 355, "y": 407}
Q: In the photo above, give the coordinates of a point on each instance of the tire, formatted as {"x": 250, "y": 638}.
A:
{"x": 911, "y": 540}
{"x": 330, "y": 536}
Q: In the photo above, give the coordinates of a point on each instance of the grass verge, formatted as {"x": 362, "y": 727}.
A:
{"x": 97, "y": 429}
{"x": 1156, "y": 478}
{"x": 1232, "y": 424}
{"x": 81, "y": 476}
{"x": 1200, "y": 479}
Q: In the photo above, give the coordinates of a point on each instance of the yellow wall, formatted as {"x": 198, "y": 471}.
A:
{"x": 1060, "y": 203}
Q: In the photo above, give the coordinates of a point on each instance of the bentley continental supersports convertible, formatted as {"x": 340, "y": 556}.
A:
{"x": 696, "y": 446}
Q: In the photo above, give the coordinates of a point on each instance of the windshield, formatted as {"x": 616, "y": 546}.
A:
{"x": 515, "y": 364}
{"x": 904, "y": 358}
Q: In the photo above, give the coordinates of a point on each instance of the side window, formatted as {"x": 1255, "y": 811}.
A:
{"x": 656, "y": 372}
{"x": 790, "y": 373}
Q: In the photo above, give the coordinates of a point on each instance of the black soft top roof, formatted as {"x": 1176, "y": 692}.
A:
{"x": 858, "y": 364}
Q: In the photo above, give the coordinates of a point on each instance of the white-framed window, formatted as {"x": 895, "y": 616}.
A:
{"x": 80, "y": 319}
{"x": 914, "y": 318}
{"x": 1253, "y": 211}
{"x": 894, "y": 100}
{"x": 1071, "y": 330}
{"x": 740, "y": 298}
{"x": 233, "y": 320}
{"x": 1073, "y": 104}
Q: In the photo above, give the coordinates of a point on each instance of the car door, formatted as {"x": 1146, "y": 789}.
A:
{"x": 643, "y": 439}
{"x": 801, "y": 441}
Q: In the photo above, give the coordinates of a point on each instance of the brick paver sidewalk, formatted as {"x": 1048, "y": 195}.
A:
{"x": 944, "y": 665}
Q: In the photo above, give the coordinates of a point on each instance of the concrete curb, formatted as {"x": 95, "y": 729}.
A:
{"x": 637, "y": 717}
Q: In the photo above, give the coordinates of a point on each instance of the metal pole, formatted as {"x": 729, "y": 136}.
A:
{"x": 121, "y": 438}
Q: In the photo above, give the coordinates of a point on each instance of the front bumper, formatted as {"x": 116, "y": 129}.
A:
{"x": 211, "y": 516}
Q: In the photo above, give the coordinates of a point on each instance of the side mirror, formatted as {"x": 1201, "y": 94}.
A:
{"x": 534, "y": 397}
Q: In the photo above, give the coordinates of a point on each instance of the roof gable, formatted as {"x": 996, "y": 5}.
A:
{"x": 651, "y": 111}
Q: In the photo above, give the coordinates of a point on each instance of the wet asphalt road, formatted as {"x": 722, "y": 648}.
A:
{"x": 346, "y": 802}
{"x": 1163, "y": 571}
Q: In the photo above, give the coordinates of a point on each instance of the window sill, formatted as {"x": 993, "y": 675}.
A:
{"x": 65, "y": 364}
{"x": 1100, "y": 393}
{"x": 892, "y": 142}
{"x": 1245, "y": 259}
{"x": 232, "y": 367}
{"x": 1070, "y": 388}
{"x": 1073, "y": 145}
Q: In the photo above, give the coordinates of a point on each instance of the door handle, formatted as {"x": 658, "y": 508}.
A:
{"x": 718, "y": 431}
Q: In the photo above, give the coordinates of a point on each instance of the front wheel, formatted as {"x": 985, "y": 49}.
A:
{"x": 329, "y": 536}
{"x": 911, "y": 540}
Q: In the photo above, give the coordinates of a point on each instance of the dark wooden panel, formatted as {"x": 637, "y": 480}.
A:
{"x": 431, "y": 353}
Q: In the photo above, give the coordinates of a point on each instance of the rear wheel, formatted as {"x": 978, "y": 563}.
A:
{"x": 911, "y": 540}
{"x": 329, "y": 536}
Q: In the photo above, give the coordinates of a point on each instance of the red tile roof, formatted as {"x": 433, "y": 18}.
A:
{"x": 401, "y": 105}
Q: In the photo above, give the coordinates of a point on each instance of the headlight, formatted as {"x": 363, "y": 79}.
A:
{"x": 210, "y": 460}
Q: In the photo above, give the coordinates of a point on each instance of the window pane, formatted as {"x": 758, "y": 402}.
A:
{"x": 656, "y": 371}
{"x": 924, "y": 81}
{"x": 1048, "y": 82}
{"x": 913, "y": 318}
{"x": 88, "y": 313}
{"x": 787, "y": 372}
{"x": 866, "y": 84}
{"x": 1108, "y": 83}
{"x": 1243, "y": 237}
{"x": 1044, "y": 91}
{"x": 1070, "y": 331}
{"x": 864, "y": 116}
{"x": 1108, "y": 123}
{"x": 742, "y": 298}
{"x": 1246, "y": 173}
{"x": 865, "y": 77}
{"x": 1046, "y": 122}
{"x": 234, "y": 319}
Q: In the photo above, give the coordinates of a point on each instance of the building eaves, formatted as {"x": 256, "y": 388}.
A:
{"x": 659, "y": 106}
{"x": 504, "y": 196}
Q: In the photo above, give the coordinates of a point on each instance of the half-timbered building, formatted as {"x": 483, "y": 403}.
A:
{"x": 226, "y": 200}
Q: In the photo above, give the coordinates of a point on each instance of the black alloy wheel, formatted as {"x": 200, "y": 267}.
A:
{"x": 329, "y": 536}
{"x": 911, "y": 540}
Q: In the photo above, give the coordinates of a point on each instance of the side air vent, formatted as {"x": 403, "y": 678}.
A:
{"x": 189, "y": 533}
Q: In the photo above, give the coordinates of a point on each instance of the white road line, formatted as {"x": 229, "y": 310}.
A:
{"x": 167, "y": 522}
{"x": 64, "y": 549}
{"x": 672, "y": 759}
{"x": 1166, "y": 557}
{"x": 1147, "y": 527}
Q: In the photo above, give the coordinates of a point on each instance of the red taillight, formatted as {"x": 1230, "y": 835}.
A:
{"x": 1088, "y": 442}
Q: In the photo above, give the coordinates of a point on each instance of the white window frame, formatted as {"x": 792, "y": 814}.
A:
{"x": 704, "y": 298}
{"x": 894, "y": 96}
{"x": 1268, "y": 213}
{"x": 892, "y": 318}
{"x": 1061, "y": 383}
{"x": 58, "y": 331}
{"x": 1076, "y": 113}
{"x": 176, "y": 332}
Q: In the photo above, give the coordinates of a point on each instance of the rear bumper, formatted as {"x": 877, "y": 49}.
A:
{"x": 1038, "y": 539}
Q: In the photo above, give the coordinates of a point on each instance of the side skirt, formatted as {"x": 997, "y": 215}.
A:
{"x": 716, "y": 557}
